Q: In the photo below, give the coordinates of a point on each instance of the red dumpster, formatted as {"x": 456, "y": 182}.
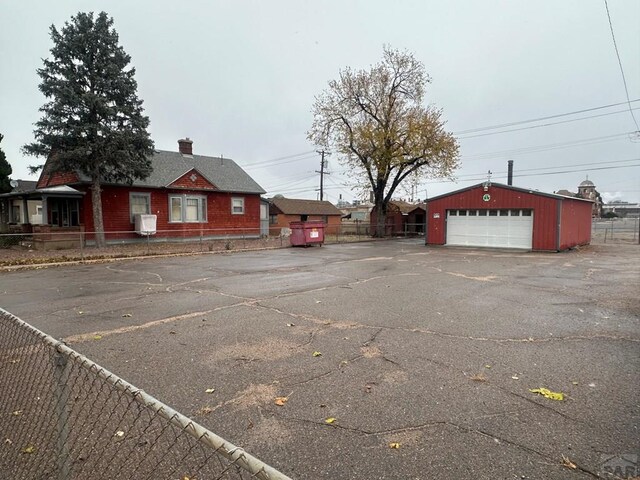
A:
{"x": 307, "y": 233}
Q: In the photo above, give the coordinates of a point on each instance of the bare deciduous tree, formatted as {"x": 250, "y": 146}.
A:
{"x": 377, "y": 123}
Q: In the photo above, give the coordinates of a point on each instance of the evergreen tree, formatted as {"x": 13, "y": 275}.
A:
{"x": 5, "y": 171}
{"x": 93, "y": 121}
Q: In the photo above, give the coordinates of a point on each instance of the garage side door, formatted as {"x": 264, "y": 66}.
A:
{"x": 490, "y": 228}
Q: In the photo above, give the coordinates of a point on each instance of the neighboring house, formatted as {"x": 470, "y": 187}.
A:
{"x": 402, "y": 218}
{"x": 283, "y": 211}
{"x": 190, "y": 195}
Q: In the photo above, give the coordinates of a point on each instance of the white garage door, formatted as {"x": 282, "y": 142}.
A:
{"x": 490, "y": 228}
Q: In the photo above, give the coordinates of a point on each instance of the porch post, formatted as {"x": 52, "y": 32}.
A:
{"x": 25, "y": 210}
{"x": 45, "y": 213}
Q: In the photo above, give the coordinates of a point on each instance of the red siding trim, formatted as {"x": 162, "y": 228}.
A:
{"x": 198, "y": 182}
{"x": 57, "y": 179}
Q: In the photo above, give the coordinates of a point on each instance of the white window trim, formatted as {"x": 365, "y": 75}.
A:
{"x": 202, "y": 208}
{"x": 139, "y": 194}
{"x": 233, "y": 199}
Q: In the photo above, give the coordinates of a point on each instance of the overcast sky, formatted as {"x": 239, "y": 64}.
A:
{"x": 239, "y": 78}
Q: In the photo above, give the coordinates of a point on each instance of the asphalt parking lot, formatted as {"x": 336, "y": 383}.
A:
{"x": 432, "y": 349}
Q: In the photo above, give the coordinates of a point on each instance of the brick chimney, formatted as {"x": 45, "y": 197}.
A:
{"x": 185, "y": 146}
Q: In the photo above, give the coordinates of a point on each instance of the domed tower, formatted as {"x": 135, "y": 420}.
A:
{"x": 587, "y": 190}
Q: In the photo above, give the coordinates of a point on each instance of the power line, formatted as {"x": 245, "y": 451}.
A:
{"x": 552, "y": 146}
{"x": 521, "y": 122}
{"x": 545, "y": 124}
{"x": 261, "y": 162}
{"x": 483, "y": 177}
{"x": 624, "y": 79}
{"x": 557, "y": 166}
{"x": 272, "y": 163}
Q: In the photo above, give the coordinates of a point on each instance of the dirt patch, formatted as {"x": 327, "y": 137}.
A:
{"x": 396, "y": 376}
{"x": 268, "y": 431}
{"x": 270, "y": 348}
{"x": 371, "y": 351}
{"x": 255, "y": 395}
{"x": 405, "y": 439}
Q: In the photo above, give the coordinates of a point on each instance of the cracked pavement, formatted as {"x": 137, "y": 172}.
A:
{"x": 432, "y": 348}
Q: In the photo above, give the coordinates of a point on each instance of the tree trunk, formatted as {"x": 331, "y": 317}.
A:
{"x": 96, "y": 201}
{"x": 381, "y": 219}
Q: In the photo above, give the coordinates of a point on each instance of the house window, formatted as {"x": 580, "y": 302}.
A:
{"x": 304, "y": 218}
{"x": 237, "y": 205}
{"x": 273, "y": 219}
{"x": 504, "y": 213}
{"x": 526, "y": 213}
{"x": 139, "y": 203}
{"x": 187, "y": 209}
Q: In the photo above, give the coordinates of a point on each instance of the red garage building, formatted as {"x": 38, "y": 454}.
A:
{"x": 503, "y": 216}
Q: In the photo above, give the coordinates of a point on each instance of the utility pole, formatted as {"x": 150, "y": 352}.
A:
{"x": 322, "y": 171}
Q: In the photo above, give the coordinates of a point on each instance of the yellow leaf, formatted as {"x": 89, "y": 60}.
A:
{"x": 280, "y": 401}
{"x": 317, "y": 354}
{"x": 17, "y": 413}
{"x": 330, "y": 420}
{"x": 487, "y": 366}
{"x": 394, "y": 445}
{"x": 546, "y": 393}
{"x": 29, "y": 449}
{"x": 97, "y": 337}
{"x": 210, "y": 390}
{"x": 119, "y": 433}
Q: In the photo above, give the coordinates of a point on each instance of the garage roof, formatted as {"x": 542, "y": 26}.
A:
{"x": 509, "y": 187}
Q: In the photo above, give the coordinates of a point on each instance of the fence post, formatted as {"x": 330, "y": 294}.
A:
{"x": 61, "y": 376}
{"x": 81, "y": 247}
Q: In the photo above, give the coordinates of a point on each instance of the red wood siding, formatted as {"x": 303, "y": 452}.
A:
{"x": 545, "y": 212}
{"x": 198, "y": 182}
{"x": 57, "y": 179}
{"x": 220, "y": 220}
{"x": 575, "y": 223}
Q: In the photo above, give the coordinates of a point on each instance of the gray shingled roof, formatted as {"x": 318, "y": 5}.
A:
{"x": 224, "y": 173}
{"x": 294, "y": 206}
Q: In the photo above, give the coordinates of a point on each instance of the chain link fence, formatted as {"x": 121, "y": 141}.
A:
{"x": 615, "y": 230}
{"x": 64, "y": 417}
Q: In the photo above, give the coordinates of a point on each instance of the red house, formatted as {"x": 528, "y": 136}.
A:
{"x": 503, "y": 216}
{"x": 190, "y": 195}
{"x": 402, "y": 218}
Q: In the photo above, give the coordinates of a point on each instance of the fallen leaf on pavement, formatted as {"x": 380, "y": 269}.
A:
{"x": 487, "y": 366}
{"x": 97, "y": 337}
{"x": 291, "y": 324}
{"x": 210, "y": 390}
{"x": 29, "y": 449}
{"x": 280, "y": 401}
{"x": 8, "y": 441}
{"x": 126, "y": 315}
{"x": 546, "y": 393}
{"x": 16, "y": 413}
{"x": 317, "y": 354}
{"x": 568, "y": 463}
{"x": 479, "y": 378}
{"x": 394, "y": 445}
{"x": 330, "y": 420}
{"x": 119, "y": 433}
